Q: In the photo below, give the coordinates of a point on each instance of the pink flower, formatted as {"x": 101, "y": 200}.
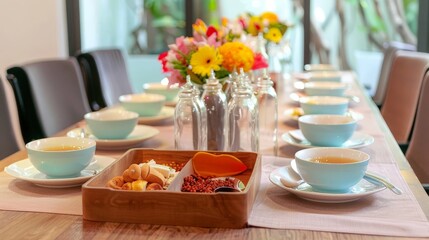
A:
{"x": 211, "y": 41}
{"x": 260, "y": 62}
{"x": 171, "y": 58}
{"x": 176, "y": 77}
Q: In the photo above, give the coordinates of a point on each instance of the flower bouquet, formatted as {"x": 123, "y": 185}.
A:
{"x": 219, "y": 49}
{"x": 267, "y": 24}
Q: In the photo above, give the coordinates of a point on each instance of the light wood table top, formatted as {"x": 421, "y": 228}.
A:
{"x": 31, "y": 225}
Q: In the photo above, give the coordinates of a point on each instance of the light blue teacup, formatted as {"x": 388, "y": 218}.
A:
{"x": 145, "y": 104}
{"x": 61, "y": 157}
{"x": 331, "y": 169}
{"x": 325, "y": 88}
{"x": 319, "y": 67}
{"x": 324, "y": 105}
{"x": 325, "y": 76}
{"x": 111, "y": 124}
{"x": 170, "y": 92}
{"x": 327, "y": 130}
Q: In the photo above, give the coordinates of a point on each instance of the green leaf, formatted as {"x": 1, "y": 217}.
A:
{"x": 222, "y": 73}
{"x": 165, "y": 21}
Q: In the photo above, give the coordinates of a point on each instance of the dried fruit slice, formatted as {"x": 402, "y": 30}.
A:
{"x": 155, "y": 176}
{"x": 223, "y": 165}
{"x": 139, "y": 185}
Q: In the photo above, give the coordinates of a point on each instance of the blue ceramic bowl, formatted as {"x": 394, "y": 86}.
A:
{"x": 325, "y": 88}
{"x": 325, "y": 76}
{"x": 111, "y": 124}
{"x": 327, "y": 130}
{"x": 170, "y": 93}
{"x": 331, "y": 177}
{"x": 61, "y": 157}
{"x": 324, "y": 105}
{"x": 319, "y": 67}
{"x": 145, "y": 104}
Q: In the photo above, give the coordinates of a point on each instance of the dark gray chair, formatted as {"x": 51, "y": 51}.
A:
{"x": 105, "y": 75}
{"x": 10, "y": 135}
{"x": 52, "y": 93}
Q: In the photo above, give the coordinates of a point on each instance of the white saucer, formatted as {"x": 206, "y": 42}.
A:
{"x": 24, "y": 170}
{"x": 305, "y": 191}
{"x": 295, "y": 97}
{"x": 137, "y": 136}
{"x": 295, "y": 113}
{"x": 172, "y": 103}
{"x": 166, "y": 113}
{"x": 357, "y": 140}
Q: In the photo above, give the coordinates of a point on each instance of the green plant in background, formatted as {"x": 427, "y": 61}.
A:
{"x": 167, "y": 18}
{"x": 394, "y": 20}
{"x": 411, "y": 8}
{"x": 373, "y": 16}
{"x": 165, "y": 13}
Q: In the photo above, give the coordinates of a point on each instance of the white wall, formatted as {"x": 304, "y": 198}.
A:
{"x": 31, "y": 30}
{"x": 108, "y": 24}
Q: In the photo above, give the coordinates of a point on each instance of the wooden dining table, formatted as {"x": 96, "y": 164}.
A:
{"x": 38, "y": 225}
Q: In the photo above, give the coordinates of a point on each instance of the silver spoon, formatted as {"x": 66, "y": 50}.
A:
{"x": 82, "y": 133}
{"x": 378, "y": 180}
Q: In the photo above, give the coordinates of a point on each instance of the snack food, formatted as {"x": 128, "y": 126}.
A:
{"x": 202, "y": 184}
{"x": 217, "y": 165}
{"x": 144, "y": 177}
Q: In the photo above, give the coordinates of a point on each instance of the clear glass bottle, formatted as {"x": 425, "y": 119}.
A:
{"x": 268, "y": 115}
{"x": 203, "y": 112}
{"x": 260, "y": 49}
{"x": 229, "y": 85}
{"x": 244, "y": 81}
{"x": 243, "y": 121}
{"x": 216, "y": 105}
{"x": 188, "y": 130}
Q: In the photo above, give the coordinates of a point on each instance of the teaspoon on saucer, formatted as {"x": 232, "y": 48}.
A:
{"x": 378, "y": 180}
{"x": 294, "y": 137}
{"x": 292, "y": 179}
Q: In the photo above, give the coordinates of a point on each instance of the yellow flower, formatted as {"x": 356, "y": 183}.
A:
{"x": 204, "y": 60}
{"x": 236, "y": 55}
{"x": 255, "y": 26}
{"x": 273, "y": 35}
{"x": 270, "y": 16}
{"x": 200, "y": 27}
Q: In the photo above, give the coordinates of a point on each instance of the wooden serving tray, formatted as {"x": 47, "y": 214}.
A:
{"x": 223, "y": 210}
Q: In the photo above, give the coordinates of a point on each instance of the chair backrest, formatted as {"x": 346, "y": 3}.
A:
{"x": 55, "y": 94}
{"x": 402, "y": 93}
{"x": 10, "y": 135}
{"x": 418, "y": 150}
{"x": 106, "y": 76}
{"x": 389, "y": 54}
{"x": 28, "y": 119}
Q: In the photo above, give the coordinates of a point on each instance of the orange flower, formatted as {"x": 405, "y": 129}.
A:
{"x": 270, "y": 16}
{"x": 236, "y": 55}
{"x": 224, "y": 21}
